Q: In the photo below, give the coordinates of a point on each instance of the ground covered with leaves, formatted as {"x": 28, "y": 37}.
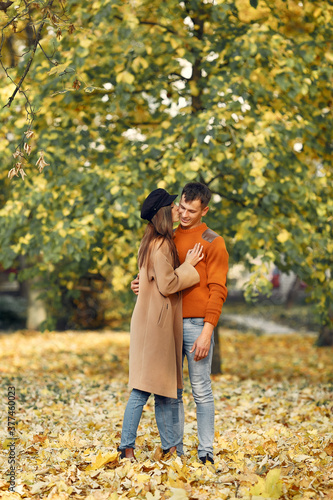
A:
{"x": 273, "y": 434}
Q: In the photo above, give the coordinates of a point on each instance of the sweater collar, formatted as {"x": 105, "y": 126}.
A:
{"x": 200, "y": 229}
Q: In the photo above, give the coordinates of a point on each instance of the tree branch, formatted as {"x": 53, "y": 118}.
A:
{"x": 36, "y": 43}
{"x": 5, "y": 5}
{"x": 152, "y": 23}
{"x": 48, "y": 57}
{"x": 179, "y": 77}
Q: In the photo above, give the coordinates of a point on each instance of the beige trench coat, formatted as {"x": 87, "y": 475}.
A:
{"x": 156, "y": 342}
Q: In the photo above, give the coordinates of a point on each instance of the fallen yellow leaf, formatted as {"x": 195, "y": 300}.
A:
{"x": 271, "y": 487}
{"x": 102, "y": 460}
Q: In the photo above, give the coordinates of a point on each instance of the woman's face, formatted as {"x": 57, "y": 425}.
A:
{"x": 174, "y": 212}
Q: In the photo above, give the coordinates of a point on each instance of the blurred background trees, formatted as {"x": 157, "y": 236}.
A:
{"x": 124, "y": 97}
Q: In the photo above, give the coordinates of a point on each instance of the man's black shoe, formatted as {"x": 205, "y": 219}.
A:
{"x": 207, "y": 457}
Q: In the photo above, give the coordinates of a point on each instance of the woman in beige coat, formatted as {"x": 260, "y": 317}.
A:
{"x": 155, "y": 365}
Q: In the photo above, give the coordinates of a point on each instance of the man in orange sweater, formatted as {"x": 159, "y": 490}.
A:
{"x": 202, "y": 305}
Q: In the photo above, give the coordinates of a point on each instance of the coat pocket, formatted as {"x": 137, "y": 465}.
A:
{"x": 163, "y": 314}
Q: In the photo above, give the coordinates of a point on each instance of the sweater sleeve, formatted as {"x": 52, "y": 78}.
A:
{"x": 168, "y": 279}
{"x": 217, "y": 268}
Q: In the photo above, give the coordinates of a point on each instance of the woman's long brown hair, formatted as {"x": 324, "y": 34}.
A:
{"x": 159, "y": 229}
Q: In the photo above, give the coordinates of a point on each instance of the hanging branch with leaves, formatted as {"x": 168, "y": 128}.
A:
{"x": 27, "y": 25}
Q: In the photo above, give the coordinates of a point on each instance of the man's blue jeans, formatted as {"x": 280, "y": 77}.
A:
{"x": 199, "y": 372}
{"x": 163, "y": 415}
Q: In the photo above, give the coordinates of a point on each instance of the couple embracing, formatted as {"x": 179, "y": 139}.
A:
{"x": 168, "y": 324}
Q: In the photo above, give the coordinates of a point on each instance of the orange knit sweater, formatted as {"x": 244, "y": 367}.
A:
{"x": 204, "y": 300}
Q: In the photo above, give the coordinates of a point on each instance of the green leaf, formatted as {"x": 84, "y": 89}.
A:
{"x": 60, "y": 68}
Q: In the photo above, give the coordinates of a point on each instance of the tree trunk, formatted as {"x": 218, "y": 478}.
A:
{"x": 325, "y": 337}
{"x": 216, "y": 361}
{"x": 36, "y": 312}
{"x": 292, "y": 293}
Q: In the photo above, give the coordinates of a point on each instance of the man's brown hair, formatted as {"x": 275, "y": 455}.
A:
{"x": 197, "y": 191}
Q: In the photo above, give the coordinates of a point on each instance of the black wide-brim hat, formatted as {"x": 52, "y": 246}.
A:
{"x": 155, "y": 200}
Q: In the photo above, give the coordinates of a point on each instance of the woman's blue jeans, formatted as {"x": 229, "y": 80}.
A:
{"x": 199, "y": 372}
{"x": 163, "y": 416}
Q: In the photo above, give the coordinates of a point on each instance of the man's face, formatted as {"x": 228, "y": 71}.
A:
{"x": 190, "y": 213}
